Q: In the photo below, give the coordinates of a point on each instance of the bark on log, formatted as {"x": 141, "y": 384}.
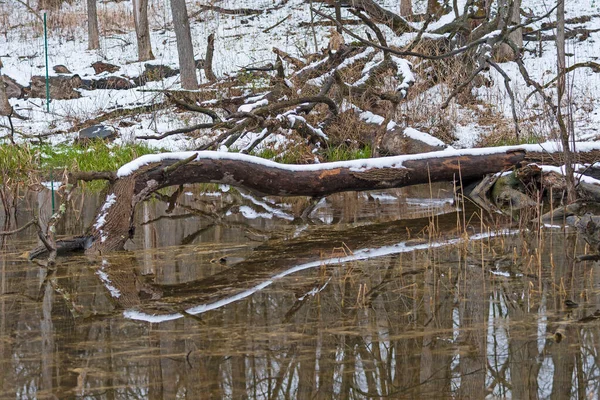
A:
{"x": 114, "y": 225}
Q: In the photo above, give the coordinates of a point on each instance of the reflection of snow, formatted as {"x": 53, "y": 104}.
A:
{"x": 273, "y": 210}
{"x": 114, "y": 292}
{"x": 361, "y": 254}
{"x": 314, "y": 291}
{"x": 249, "y": 213}
{"x": 429, "y": 202}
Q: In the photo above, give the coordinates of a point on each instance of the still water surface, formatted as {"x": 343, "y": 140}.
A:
{"x": 397, "y": 294}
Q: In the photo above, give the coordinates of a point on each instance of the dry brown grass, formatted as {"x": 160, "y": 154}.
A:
{"x": 348, "y": 129}
{"x": 353, "y": 72}
{"x": 116, "y": 20}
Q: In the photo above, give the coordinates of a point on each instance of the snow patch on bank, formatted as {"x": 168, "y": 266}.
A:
{"x": 423, "y": 137}
{"x": 578, "y": 177}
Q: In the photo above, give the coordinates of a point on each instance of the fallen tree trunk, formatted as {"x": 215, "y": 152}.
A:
{"x": 136, "y": 181}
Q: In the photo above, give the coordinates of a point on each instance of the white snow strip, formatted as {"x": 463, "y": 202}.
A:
{"x": 384, "y": 197}
{"x": 313, "y": 65}
{"x": 51, "y": 185}
{"x": 366, "y": 72}
{"x": 273, "y": 210}
{"x": 114, "y": 292}
{"x": 249, "y": 213}
{"x": 424, "y": 202}
{"x": 505, "y": 274}
{"x": 251, "y": 106}
{"x": 101, "y": 220}
{"x": 553, "y": 226}
{"x": 292, "y": 120}
{"x": 260, "y": 136}
{"x": 313, "y": 292}
{"x": 423, "y": 137}
{"x": 404, "y": 69}
{"x": 371, "y": 118}
{"x": 354, "y": 165}
{"x": 578, "y": 177}
{"x": 361, "y": 254}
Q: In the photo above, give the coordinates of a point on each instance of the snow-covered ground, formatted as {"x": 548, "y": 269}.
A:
{"x": 242, "y": 41}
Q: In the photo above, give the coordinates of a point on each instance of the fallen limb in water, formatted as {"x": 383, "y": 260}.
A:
{"x": 137, "y": 180}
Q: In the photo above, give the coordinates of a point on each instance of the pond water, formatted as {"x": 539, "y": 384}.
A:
{"x": 396, "y": 294}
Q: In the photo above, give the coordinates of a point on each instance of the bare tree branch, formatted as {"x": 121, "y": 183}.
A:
{"x": 510, "y": 94}
{"x": 192, "y": 107}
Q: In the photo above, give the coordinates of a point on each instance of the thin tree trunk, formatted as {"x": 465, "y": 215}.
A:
{"x": 142, "y": 30}
{"x": 433, "y": 7}
{"x": 406, "y": 8}
{"x": 504, "y": 52}
{"x": 338, "y": 14}
{"x": 185, "y": 50}
{"x": 210, "y": 49}
{"x": 5, "y": 107}
{"x": 93, "y": 33}
{"x": 560, "y": 88}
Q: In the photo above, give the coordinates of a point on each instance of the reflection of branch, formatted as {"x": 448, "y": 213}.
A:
{"x": 14, "y": 231}
{"x": 499, "y": 377}
{"x": 48, "y": 242}
{"x": 169, "y": 218}
{"x": 254, "y": 275}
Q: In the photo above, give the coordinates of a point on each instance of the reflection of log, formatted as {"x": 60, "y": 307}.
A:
{"x": 138, "y": 180}
{"x": 77, "y": 243}
{"x": 273, "y": 260}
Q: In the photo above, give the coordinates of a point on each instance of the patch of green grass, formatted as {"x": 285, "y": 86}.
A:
{"x": 268, "y": 153}
{"x": 95, "y": 156}
{"x": 16, "y": 163}
{"x": 512, "y": 141}
{"x": 298, "y": 154}
{"x": 345, "y": 153}
{"x": 26, "y": 163}
{"x": 293, "y": 154}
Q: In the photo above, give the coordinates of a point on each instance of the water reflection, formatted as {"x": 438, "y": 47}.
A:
{"x": 433, "y": 315}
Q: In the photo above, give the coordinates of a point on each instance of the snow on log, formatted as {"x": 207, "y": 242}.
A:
{"x": 141, "y": 177}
